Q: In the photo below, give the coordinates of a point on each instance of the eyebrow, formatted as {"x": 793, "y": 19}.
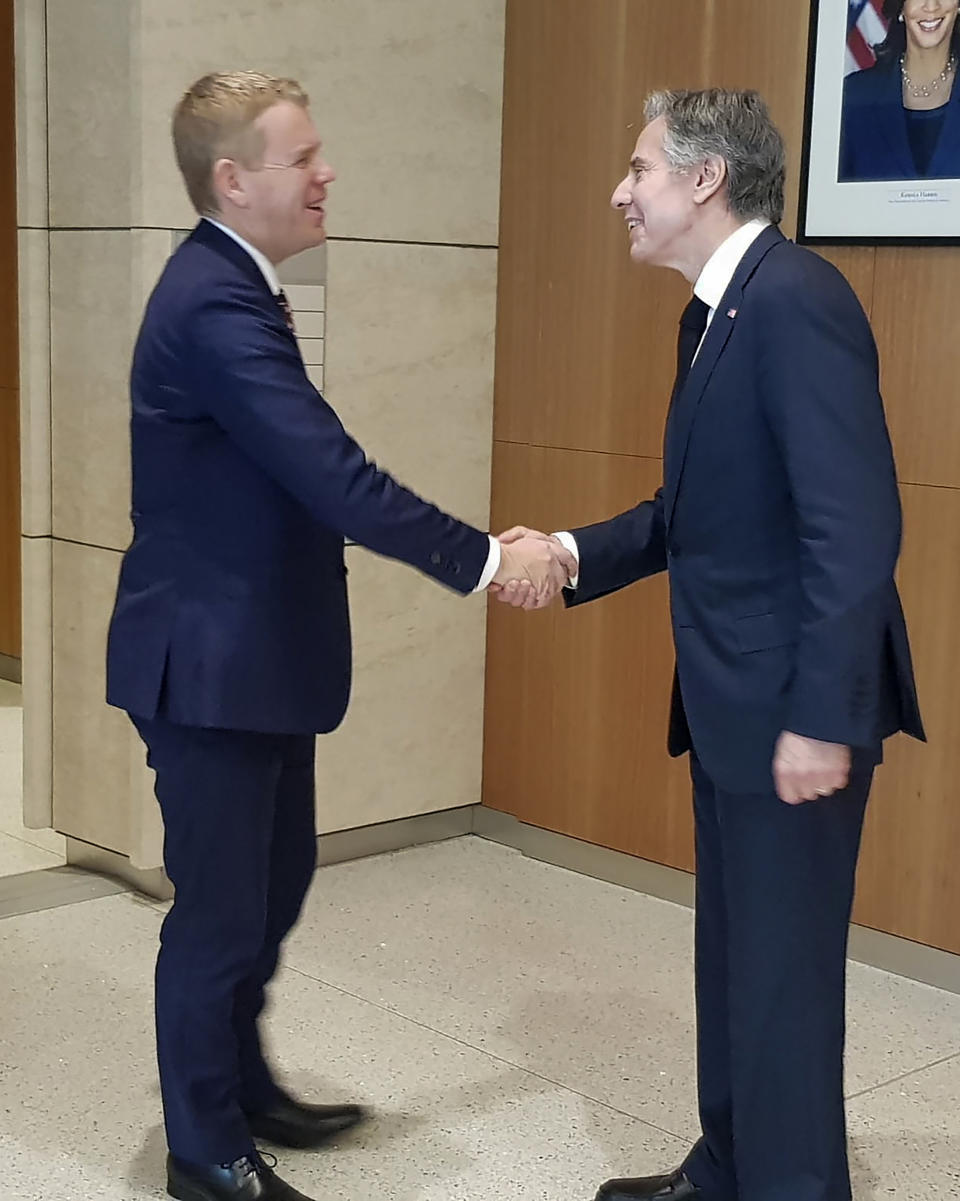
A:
{"x": 638, "y": 163}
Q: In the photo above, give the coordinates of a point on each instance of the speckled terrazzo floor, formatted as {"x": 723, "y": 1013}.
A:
{"x": 521, "y": 1032}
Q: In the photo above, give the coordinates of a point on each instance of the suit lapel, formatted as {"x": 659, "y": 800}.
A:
{"x": 685, "y": 402}
{"x": 207, "y": 234}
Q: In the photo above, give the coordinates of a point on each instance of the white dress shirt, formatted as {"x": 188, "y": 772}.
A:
{"x": 269, "y": 271}
{"x": 711, "y": 284}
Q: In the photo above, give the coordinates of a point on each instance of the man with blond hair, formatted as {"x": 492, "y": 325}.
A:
{"x": 229, "y": 644}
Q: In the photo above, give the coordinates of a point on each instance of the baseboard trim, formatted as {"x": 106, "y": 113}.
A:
{"x": 52, "y": 888}
{"x": 601, "y": 863}
{"x": 928, "y": 965}
{"x": 336, "y": 847}
{"x": 152, "y": 882}
{"x": 342, "y": 845}
{"x": 10, "y": 669}
{"x": 902, "y": 957}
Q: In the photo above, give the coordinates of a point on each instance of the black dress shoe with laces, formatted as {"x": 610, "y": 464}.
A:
{"x": 246, "y": 1179}
{"x": 291, "y": 1123}
{"x": 675, "y": 1187}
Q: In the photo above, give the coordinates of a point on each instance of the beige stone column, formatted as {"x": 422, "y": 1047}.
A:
{"x": 407, "y": 96}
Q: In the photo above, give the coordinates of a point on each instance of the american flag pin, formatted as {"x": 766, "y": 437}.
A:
{"x": 731, "y": 313}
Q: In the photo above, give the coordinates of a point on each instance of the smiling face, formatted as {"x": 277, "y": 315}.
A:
{"x": 279, "y": 198}
{"x": 657, "y": 202}
{"x": 929, "y": 24}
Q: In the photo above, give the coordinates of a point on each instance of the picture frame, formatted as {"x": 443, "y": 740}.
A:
{"x": 860, "y": 183}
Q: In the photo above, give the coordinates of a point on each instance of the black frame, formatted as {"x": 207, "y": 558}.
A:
{"x": 843, "y": 240}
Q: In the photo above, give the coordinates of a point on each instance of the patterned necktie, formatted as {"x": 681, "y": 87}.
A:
{"x": 286, "y": 310}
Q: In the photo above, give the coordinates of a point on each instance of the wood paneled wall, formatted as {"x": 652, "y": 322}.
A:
{"x": 9, "y": 369}
{"x": 576, "y": 707}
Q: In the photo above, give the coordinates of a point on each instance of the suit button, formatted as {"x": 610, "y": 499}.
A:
{"x": 436, "y": 558}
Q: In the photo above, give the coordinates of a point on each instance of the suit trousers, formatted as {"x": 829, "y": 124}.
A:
{"x": 775, "y": 887}
{"x": 240, "y": 849}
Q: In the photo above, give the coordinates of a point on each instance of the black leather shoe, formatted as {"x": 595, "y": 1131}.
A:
{"x": 247, "y": 1179}
{"x": 675, "y": 1187}
{"x": 290, "y": 1123}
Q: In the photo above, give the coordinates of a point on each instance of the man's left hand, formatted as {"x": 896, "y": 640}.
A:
{"x": 805, "y": 769}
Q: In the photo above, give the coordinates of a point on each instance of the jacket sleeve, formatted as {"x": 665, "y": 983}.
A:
{"x": 620, "y": 551}
{"x": 250, "y": 379}
{"x": 819, "y": 387}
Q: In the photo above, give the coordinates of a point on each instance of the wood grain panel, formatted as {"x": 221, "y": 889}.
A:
{"x": 9, "y": 354}
{"x": 577, "y": 701}
{"x": 909, "y": 883}
{"x": 586, "y": 340}
{"x": 762, "y": 45}
{"x": 916, "y": 302}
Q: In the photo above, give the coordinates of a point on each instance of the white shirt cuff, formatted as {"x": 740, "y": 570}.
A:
{"x": 492, "y": 565}
{"x": 570, "y": 543}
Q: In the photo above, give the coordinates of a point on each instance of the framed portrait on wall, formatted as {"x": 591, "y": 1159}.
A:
{"x": 881, "y": 153}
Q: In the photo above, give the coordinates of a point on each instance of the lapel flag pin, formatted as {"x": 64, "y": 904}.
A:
{"x": 731, "y": 313}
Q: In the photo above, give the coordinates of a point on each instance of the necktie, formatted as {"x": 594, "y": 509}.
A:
{"x": 286, "y": 310}
{"x": 692, "y": 324}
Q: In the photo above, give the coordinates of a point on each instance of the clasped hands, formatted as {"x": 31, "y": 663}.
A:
{"x": 534, "y": 567}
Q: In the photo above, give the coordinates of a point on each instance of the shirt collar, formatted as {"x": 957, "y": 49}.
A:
{"x": 266, "y": 267}
{"x": 721, "y": 266}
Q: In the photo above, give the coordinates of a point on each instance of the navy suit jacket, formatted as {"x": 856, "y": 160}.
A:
{"x": 779, "y": 524}
{"x": 874, "y": 144}
{"x": 231, "y": 609}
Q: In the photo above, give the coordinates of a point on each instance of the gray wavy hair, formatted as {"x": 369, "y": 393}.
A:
{"x": 737, "y": 127}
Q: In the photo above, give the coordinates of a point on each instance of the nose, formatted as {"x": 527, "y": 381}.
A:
{"x": 621, "y": 194}
{"x": 325, "y": 173}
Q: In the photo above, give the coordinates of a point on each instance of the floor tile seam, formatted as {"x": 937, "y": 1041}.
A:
{"x": 527, "y": 1071}
{"x": 65, "y": 904}
{"x": 27, "y": 843}
{"x": 926, "y": 1067}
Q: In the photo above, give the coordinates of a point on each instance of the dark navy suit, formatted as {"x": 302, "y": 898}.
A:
{"x": 779, "y": 524}
{"x": 230, "y": 648}
{"x": 874, "y": 142}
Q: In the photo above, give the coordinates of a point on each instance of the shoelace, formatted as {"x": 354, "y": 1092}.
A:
{"x": 248, "y": 1165}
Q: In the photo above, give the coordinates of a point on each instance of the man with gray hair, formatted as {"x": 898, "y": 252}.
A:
{"x": 779, "y": 524}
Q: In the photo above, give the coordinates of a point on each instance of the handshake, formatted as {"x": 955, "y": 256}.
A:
{"x": 534, "y": 567}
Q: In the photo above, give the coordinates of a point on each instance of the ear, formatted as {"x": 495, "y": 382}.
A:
{"x": 711, "y": 178}
{"x": 227, "y": 184}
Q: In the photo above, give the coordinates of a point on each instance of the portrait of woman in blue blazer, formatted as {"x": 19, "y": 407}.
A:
{"x": 901, "y": 117}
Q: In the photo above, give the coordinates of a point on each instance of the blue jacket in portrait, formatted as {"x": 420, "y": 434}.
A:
{"x": 874, "y": 142}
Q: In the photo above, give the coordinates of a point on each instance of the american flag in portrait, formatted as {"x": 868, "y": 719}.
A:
{"x": 866, "y": 28}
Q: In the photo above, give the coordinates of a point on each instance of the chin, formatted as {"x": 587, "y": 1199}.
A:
{"x": 314, "y": 237}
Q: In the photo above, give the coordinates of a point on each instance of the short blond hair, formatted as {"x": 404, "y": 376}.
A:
{"x": 215, "y": 119}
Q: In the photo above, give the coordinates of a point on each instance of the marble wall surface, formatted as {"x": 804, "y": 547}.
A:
{"x": 407, "y": 96}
